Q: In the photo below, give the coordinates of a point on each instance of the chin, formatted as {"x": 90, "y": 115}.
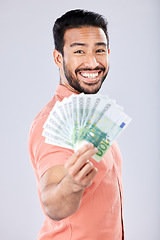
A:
{"x": 91, "y": 88}
{"x": 87, "y": 88}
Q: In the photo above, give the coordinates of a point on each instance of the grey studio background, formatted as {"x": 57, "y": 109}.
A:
{"x": 28, "y": 79}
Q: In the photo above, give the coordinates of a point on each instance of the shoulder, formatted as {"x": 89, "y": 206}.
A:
{"x": 38, "y": 122}
{"x": 42, "y": 155}
{"x": 35, "y": 134}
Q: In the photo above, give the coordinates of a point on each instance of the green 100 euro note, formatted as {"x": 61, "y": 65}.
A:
{"x": 85, "y": 118}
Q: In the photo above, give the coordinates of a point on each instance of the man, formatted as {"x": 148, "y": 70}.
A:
{"x": 81, "y": 199}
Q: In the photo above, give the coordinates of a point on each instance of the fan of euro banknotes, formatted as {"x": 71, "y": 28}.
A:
{"x": 84, "y": 118}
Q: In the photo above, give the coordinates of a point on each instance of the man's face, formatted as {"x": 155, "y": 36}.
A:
{"x": 85, "y": 58}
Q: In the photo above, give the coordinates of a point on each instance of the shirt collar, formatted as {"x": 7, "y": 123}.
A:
{"x": 63, "y": 91}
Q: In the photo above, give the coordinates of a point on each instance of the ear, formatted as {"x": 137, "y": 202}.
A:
{"x": 58, "y": 58}
{"x": 109, "y": 51}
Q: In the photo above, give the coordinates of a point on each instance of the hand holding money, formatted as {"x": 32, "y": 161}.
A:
{"x": 85, "y": 118}
{"x": 79, "y": 169}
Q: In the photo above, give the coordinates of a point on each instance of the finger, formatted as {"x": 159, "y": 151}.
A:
{"x": 71, "y": 161}
{"x": 87, "y": 155}
{"x": 86, "y": 169}
{"x": 90, "y": 176}
{"x": 82, "y": 161}
{"x": 86, "y": 180}
{"x": 84, "y": 148}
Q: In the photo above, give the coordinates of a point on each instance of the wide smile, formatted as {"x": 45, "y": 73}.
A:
{"x": 90, "y": 76}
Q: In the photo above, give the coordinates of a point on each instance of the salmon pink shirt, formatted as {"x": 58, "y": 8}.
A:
{"x": 99, "y": 216}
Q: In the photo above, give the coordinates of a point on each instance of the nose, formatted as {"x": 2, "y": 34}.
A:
{"x": 91, "y": 61}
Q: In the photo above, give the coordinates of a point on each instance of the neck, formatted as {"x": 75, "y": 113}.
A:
{"x": 66, "y": 84}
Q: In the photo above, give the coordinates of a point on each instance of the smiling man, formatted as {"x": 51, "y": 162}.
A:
{"x": 84, "y": 63}
{"x": 81, "y": 199}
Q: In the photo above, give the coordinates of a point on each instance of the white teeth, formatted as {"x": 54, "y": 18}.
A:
{"x": 89, "y": 75}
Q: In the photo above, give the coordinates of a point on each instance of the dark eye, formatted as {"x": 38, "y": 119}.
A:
{"x": 79, "y": 51}
{"x": 100, "y": 51}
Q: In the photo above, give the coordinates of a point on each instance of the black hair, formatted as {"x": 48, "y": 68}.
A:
{"x": 76, "y": 19}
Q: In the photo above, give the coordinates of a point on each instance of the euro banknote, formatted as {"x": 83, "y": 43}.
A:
{"x": 84, "y": 118}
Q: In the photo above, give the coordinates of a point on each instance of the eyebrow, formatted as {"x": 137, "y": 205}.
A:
{"x": 101, "y": 44}
{"x": 78, "y": 44}
{"x": 84, "y": 44}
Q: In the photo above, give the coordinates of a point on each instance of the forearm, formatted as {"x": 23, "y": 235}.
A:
{"x": 61, "y": 200}
{"x": 62, "y": 195}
